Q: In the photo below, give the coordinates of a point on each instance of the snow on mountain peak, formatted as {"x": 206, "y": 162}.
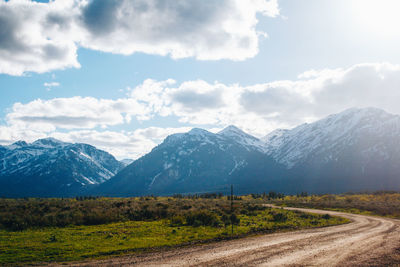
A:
{"x": 227, "y": 135}
{"x": 230, "y": 129}
{"x": 49, "y": 142}
{"x": 233, "y": 131}
{"x": 17, "y": 144}
{"x": 273, "y": 140}
{"x": 353, "y": 116}
{"x": 291, "y": 147}
{"x": 199, "y": 131}
{"x": 37, "y": 159}
{"x": 243, "y": 138}
{"x": 273, "y": 135}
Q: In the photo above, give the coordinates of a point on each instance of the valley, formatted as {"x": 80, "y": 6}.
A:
{"x": 41, "y": 231}
{"x": 366, "y": 241}
{"x": 199, "y": 133}
{"x": 73, "y": 202}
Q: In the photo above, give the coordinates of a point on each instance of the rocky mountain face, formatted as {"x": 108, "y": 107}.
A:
{"x": 197, "y": 161}
{"x": 356, "y": 150}
{"x": 48, "y": 167}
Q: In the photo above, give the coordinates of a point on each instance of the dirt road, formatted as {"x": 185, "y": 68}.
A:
{"x": 366, "y": 241}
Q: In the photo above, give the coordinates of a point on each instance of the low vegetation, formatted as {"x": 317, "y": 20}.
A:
{"x": 385, "y": 204}
{"x": 43, "y": 230}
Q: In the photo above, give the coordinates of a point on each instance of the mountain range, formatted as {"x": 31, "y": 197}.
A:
{"x": 197, "y": 161}
{"x": 49, "y": 167}
{"x": 355, "y": 150}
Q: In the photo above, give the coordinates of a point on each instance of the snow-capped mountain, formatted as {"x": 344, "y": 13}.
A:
{"x": 355, "y": 150}
{"x": 248, "y": 141}
{"x": 326, "y": 139}
{"x": 195, "y": 161}
{"x": 271, "y": 139}
{"x": 49, "y": 167}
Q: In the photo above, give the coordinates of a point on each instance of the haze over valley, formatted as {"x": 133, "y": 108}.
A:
{"x": 350, "y": 151}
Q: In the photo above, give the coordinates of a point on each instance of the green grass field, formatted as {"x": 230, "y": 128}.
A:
{"x": 386, "y": 204}
{"x": 79, "y": 242}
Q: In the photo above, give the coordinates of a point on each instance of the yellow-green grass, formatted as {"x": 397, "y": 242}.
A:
{"x": 386, "y": 204}
{"x": 88, "y": 242}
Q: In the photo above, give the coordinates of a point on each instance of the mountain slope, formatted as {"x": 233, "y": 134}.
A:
{"x": 197, "y": 161}
{"x": 355, "y": 150}
{"x": 48, "y": 167}
{"x": 248, "y": 141}
{"x": 330, "y": 136}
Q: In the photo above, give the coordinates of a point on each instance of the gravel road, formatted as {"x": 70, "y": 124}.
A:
{"x": 366, "y": 241}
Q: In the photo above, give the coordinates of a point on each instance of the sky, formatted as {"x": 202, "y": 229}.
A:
{"x": 123, "y": 74}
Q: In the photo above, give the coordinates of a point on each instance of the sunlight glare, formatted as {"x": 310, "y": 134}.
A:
{"x": 378, "y": 17}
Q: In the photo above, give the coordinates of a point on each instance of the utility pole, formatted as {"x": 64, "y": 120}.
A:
{"x": 232, "y": 207}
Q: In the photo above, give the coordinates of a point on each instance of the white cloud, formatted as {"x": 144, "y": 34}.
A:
{"x": 40, "y": 37}
{"x": 121, "y": 144}
{"x": 206, "y": 30}
{"x": 72, "y": 113}
{"x": 36, "y": 36}
{"x": 263, "y": 107}
{"x": 10, "y": 134}
{"x": 257, "y": 109}
{"x": 49, "y": 85}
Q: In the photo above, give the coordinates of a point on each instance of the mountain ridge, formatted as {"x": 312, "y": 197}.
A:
{"x": 354, "y": 150}
{"x": 186, "y": 162}
{"x": 49, "y": 167}
{"x": 334, "y": 154}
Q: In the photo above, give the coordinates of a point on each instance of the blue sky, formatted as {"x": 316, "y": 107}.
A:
{"x": 74, "y": 72}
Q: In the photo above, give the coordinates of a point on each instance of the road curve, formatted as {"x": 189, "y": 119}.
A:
{"x": 366, "y": 241}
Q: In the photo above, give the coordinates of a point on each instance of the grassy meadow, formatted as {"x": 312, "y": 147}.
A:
{"x": 386, "y": 204}
{"x": 48, "y": 230}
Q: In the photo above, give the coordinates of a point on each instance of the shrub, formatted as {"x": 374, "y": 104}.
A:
{"x": 225, "y": 220}
{"x": 202, "y": 217}
{"x": 326, "y": 216}
{"x": 234, "y": 219}
{"x": 15, "y": 224}
{"x": 177, "y": 220}
{"x": 279, "y": 217}
{"x": 52, "y": 238}
{"x": 305, "y": 215}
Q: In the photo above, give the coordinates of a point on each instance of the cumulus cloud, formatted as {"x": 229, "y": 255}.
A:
{"x": 40, "y": 37}
{"x": 34, "y": 38}
{"x": 262, "y": 107}
{"x": 256, "y": 109}
{"x": 208, "y": 30}
{"x": 122, "y": 144}
{"x": 72, "y": 113}
{"x": 9, "y": 134}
